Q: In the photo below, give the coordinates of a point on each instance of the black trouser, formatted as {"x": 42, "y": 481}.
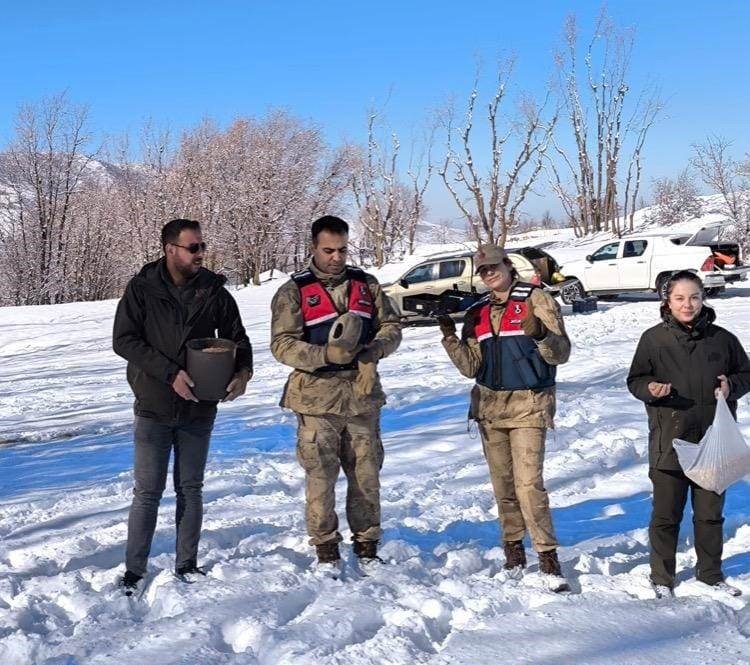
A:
{"x": 670, "y": 494}
{"x": 154, "y": 441}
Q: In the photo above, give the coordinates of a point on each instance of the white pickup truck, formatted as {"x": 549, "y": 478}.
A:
{"x": 639, "y": 263}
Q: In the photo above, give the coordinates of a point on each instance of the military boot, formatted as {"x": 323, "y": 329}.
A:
{"x": 549, "y": 566}
{"x": 515, "y": 555}
{"x": 367, "y": 550}
{"x": 328, "y": 553}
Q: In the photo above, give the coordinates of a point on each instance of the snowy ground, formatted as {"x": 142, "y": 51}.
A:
{"x": 66, "y": 487}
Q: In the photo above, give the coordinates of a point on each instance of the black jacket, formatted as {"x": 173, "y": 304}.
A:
{"x": 689, "y": 359}
{"x": 154, "y": 320}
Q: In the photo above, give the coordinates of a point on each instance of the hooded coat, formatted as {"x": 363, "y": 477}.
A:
{"x": 690, "y": 359}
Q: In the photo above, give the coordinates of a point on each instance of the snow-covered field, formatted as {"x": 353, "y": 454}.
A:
{"x": 65, "y": 414}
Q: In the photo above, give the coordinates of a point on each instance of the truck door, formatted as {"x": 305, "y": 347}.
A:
{"x": 600, "y": 273}
{"x": 419, "y": 280}
{"x": 452, "y": 272}
{"x": 634, "y": 265}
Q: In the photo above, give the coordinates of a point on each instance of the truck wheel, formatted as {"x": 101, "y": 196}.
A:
{"x": 712, "y": 292}
{"x": 661, "y": 286}
{"x": 571, "y": 292}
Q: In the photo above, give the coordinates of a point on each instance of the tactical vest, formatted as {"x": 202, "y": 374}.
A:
{"x": 319, "y": 311}
{"x": 510, "y": 359}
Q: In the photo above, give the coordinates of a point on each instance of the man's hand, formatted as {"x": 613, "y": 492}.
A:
{"x": 182, "y": 384}
{"x": 337, "y": 355}
{"x": 723, "y": 386}
{"x": 238, "y": 384}
{"x": 447, "y": 325}
{"x": 367, "y": 365}
{"x": 659, "y": 390}
{"x": 531, "y": 324}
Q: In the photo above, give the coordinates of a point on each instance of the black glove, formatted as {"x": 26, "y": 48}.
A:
{"x": 447, "y": 325}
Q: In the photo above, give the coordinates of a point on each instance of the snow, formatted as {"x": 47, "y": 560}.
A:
{"x": 442, "y": 597}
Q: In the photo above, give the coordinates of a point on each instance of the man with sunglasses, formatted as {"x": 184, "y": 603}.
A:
{"x": 169, "y": 302}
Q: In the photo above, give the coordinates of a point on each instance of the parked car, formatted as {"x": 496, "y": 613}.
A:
{"x": 447, "y": 283}
{"x": 718, "y": 237}
{"x": 636, "y": 264}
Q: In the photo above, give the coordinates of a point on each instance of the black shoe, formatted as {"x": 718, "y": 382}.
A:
{"x": 187, "y": 572}
{"x": 328, "y": 553}
{"x": 129, "y": 582}
{"x": 515, "y": 555}
{"x": 367, "y": 550}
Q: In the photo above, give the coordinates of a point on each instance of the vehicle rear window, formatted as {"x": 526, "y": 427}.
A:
{"x": 450, "y": 269}
{"x": 634, "y": 248}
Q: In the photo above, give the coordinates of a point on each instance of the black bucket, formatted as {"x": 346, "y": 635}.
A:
{"x": 210, "y": 364}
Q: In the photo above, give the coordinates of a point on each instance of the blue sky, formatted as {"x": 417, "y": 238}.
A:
{"x": 177, "y": 62}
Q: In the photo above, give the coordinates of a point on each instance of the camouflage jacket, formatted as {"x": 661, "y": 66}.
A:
{"x": 309, "y": 390}
{"x": 513, "y": 408}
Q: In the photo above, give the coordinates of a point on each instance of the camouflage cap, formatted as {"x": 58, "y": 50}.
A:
{"x": 346, "y": 331}
{"x": 488, "y": 255}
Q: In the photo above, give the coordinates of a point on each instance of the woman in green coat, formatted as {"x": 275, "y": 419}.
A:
{"x": 678, "y": 370}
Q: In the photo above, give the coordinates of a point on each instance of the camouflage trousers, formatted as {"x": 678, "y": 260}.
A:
{"x": 325, "y": 444}
{"x": 516, "y": 458}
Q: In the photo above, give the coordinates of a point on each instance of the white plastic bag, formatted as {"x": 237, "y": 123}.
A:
{"x": 721, "y": 457}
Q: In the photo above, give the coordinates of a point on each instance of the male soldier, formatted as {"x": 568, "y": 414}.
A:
{"x": 170, "y": 302}
{"x": 511, "y": 342}
{"x": 332, "y": 323}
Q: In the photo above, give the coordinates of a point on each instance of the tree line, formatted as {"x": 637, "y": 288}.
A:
{"x": 78, "y": 218}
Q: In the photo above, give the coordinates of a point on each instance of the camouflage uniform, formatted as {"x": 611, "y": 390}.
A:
{"x": 513, "y": 425}
{"x": 338, "y": 425}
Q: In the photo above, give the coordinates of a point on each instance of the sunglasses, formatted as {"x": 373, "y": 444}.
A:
{"x": 193, "y": 248}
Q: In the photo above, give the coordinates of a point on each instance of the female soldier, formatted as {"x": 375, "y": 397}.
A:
{"x": 511, "y": 341}
{"x": 679, "y": 367}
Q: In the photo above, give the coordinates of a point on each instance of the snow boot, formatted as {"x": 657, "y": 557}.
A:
{"x": 367, "y": 552}
{"x": 662, "y": 591}
{"x": 515, "y": 555}
{"x": 328, "y": 553}
{"x": 129, "y": 583}
{"x": 549, "y": 566}
{"x": 726, "y": 588}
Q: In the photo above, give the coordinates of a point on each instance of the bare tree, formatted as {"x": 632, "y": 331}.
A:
{"x": 727, "y": 177}
{"x": 389, "y": 209}
{"x": 490, "y": 200}
{"x": 587, "y": 183}
{"x": 145, "y": 193}
{"x": 675, "y": 200}
{"x": 257, "y": 186}
{"x": 46, "y": 169}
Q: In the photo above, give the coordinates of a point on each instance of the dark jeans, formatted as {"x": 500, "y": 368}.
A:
{"x": 670, "y": 495}
{"x": 154, "y": 441}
